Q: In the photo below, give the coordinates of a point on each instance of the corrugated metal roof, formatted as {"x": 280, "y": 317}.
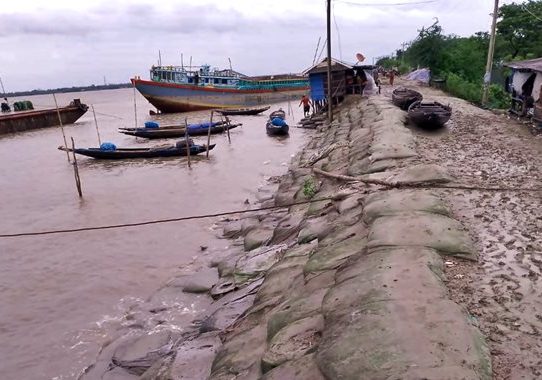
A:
{"x": 530, "y": 64}
{"x": 336, "y": 65}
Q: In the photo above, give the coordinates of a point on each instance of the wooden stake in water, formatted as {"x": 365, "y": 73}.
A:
{"x": 135, "y": 106}
{"x": 96, "y": 123}
{"x": 228, "y": 129}
{"x": 62, "y": 128}
{"x": 209, "y": 134}
{"x": 186, "y": 141}
{"x": 76, "y": 171}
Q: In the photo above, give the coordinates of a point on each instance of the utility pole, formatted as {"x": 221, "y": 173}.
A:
{"x": 489, "y": 64}
{"x": 329, "y": 100}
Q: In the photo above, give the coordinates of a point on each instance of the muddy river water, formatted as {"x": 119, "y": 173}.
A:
{"x": 60, "y": 294}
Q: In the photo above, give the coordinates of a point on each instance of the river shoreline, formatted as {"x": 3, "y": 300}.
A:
{"x": 351, "y": 283}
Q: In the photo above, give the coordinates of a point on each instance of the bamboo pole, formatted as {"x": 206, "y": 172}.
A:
{"x": 186, "y": 141}
{"x": 96, "y": 123}
{"x": 329, "y": 99}
{"x": 489, "y": 63}
{"x": 135, "y": 107}
{"x": 228, "y": 128}
{"x": 61, "y": 128}
{"x": 76, "y": 171}
{"x": 209, "y": 134}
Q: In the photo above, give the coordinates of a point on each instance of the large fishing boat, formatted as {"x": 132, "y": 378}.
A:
{"x": 181, "y": 89}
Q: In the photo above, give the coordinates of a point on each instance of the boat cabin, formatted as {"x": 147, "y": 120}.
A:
{"x": 196, "y": 75}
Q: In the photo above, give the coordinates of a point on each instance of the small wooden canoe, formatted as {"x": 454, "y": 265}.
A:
{"x": 243, "y": 111}
{"x": 403, "y": 97}
{"x": 429, "y": 115}
{"x": 278, "y": 113}
{"x": 274, "y": 130}
{"x": 127, "y": 153}
{"x": 164, "y": 133}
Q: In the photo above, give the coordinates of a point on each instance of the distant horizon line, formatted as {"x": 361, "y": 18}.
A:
{"x": 39, "y": 91}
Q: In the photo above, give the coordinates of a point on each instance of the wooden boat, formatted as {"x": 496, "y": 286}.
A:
{"x": 278, "y": 113}
{"x": 276, "y": 130}
{"x": 429, "y": 115}
{"x": 164, "y": 133}
{"x": 183, "y": 88}
{"x": 403, "y": 97}
{"x": 243, "y": 111}
{"x": 18, "y": 121}
{"x": 276, "y": 126}
{"x": 176, "y": 150}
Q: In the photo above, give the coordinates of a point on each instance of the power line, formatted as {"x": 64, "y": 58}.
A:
{"x": 338, "y": 34}
{"x": 531, "y": 13}
{"x": 385, "y": 4}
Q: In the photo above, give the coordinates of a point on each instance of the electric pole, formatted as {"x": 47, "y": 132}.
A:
{"x": 329, "y": 100}
{"x": 489, "y": 64}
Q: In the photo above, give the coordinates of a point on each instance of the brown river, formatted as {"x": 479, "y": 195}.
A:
{"x": 62, "y": 296}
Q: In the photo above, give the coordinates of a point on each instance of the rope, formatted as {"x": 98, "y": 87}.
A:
{"x": 160, "y": 221}
{"x": 419, "y": 185}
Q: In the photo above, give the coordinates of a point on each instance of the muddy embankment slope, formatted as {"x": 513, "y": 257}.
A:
{"x": 351, "y": 286}
{"x": 503, "y": 289}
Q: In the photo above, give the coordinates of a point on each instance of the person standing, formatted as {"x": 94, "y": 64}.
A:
{"x": 392, "y": 76}
{"x": 306, "y": 105}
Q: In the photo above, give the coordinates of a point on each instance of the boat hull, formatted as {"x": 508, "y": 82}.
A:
{"x": 28, "y": 120}
{"x": 403, "y": 97}
{"x": 171, "y": 97}
{"x": 273, "y": 130}
{"x": 429, "y": 115}
{"x": 158, "y": 133}
{"x": 244, "y": 111}
{"x": 120, "y": 154}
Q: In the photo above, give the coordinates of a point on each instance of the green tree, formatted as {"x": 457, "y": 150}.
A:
{"x": 428, "y": 49}
{"x": 519, "y": 28}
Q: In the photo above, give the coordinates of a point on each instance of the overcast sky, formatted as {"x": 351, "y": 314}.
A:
{"x": 56, "y": 43}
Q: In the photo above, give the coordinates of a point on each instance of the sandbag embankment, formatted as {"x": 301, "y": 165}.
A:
{"x": 358, "y": 292}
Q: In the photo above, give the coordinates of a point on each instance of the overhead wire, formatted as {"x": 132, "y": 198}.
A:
{"x": 338, "y": 34}
{"x": 531, "y": 13}
{"x": 386, "y": 4}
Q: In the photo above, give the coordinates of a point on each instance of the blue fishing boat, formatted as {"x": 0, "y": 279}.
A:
{"x": 199, "y": 129}
{"x": 276, "y": 125}
{"x": 178, "y": 89}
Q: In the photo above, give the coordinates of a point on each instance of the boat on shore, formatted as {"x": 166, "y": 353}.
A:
{"x": 114, "y": 153}
{"x": 18, "y": 121}
{"x": 403, "y": 97}
{"x": 178, "y": 89}
{"x": 243, "y": 111}
{"x": 429, "y": 115}
{"x": 201, "y": 129}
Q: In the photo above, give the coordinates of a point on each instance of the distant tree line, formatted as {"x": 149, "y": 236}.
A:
{"x": 461, "y": 60}
{"x": 69, "y": 89}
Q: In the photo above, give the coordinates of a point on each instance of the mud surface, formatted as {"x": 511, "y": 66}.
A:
{"x": 502, "y": 291}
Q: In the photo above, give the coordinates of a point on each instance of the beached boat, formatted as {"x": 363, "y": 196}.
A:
{"x": 179, "y": 89}
{"x": 276, "y": 125}
{"x": 176, "y": 150}
{"x": 193, "y": 130}
{"x": 278, "y": 113}
{"x": 243, "y": 111}
{"x": 17, "y": 121}
{"x": 429, "y": 115}
{"x": 403, "y": 97}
